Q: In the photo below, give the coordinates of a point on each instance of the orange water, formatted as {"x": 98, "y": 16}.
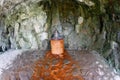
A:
{"x": 54, "y": 67}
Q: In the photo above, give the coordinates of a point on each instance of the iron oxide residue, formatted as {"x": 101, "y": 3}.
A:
{"x": 54, "y": 67}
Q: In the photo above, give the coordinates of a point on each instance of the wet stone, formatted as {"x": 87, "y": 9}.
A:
{"x": 91, "y": 66}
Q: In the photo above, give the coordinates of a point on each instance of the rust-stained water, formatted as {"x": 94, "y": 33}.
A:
{"x": 54, "y": 67}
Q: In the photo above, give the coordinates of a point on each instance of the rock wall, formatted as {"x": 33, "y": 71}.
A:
{"x": 23, "y": 26}
{"x": 28, "y": 26}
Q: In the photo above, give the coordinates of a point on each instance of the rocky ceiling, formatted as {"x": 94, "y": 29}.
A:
{"x": 7, "y": 5}
{"x": 92, "y": 6}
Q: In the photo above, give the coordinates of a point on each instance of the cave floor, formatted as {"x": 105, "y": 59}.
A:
{"x": 92, "y": 66}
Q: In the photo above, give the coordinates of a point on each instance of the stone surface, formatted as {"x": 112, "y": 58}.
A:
{"x": 92, "y": 66}
{"x": 24, "y": 32}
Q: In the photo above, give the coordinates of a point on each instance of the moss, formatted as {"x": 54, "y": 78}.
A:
{"x": 22, "y": 12}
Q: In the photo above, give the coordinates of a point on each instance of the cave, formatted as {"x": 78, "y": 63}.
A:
{"x": 88, "y": 31}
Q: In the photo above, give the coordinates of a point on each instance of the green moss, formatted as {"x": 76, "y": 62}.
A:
{"x": 21, "y": 13}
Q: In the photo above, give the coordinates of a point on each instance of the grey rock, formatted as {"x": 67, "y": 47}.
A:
{"x": 67, "y": 28}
